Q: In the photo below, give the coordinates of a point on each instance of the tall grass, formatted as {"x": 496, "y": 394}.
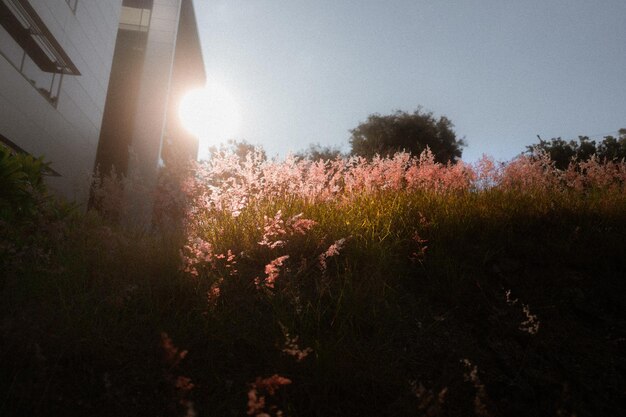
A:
{"x": 396, "y": 286}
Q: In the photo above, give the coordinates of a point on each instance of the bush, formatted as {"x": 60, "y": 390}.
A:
{"x": 22, "y": 187}
{"x": 392, "y": 286}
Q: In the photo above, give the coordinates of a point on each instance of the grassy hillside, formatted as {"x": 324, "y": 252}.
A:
{"x": 395, "y": 287}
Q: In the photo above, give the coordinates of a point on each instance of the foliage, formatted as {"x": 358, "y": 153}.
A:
{"x": 410, "y": 132}
{"x": 563, "y": 152}
{"x": 238, "y": 148}
{"x": 21, "y": 184}
{"x": 316, "y": 152}
{"x": 393, "y": 286}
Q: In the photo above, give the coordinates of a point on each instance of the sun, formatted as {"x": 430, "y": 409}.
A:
{"x": 210, "y": 113}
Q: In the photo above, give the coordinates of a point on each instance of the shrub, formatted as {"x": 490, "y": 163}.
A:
{"x": 22, "y": 187}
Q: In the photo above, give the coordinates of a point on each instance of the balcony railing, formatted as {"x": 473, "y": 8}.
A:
{"x": 30, "y": 47}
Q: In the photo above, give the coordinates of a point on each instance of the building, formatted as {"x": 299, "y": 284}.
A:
{"x": 82, "y": 81}
{"x": 157, "y": 59}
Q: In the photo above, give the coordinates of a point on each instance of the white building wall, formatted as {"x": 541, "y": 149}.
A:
{"x": 153, "y": 98}
{"x": 66, "y": 134}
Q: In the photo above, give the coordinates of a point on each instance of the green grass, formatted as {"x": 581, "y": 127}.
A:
{"x": 85, "y": 303}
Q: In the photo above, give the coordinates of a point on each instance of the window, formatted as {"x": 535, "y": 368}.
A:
{"x": 72, "y": 4}
{"x": 136, "y": 19}
{"x": 28, "y": 45}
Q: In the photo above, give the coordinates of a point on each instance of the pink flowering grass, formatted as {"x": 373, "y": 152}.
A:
{"x": 277, "y": 219}
{"x": 347, "y": 287}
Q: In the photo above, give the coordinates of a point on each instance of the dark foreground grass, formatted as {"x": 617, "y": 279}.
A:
{"x": 514, "y": 308}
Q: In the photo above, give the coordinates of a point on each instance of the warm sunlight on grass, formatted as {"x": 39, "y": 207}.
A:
{"x": 393, "y": 286}
{"x": 211, "y": 113}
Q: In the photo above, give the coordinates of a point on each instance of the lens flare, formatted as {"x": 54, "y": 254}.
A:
{"x": 210, "y": 113}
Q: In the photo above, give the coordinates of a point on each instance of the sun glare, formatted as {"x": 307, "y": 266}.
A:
{"x": 211, "y": 113}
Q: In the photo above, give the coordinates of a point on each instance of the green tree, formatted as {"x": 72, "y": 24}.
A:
{"x": 22, "y": 186}
{"x": 240, "y": 148}
{"x": 613, "y": 148}
{"x": 315, "y": 152}
{"x": 562, "y": 152}
{"x": 410, "y": 132}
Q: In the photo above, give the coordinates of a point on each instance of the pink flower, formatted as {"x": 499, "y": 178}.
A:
{"x": 333, "y": 250}
{"x": 272, "y": 270}
{"x": 269, "y": 385}
{"x": 300, "y": 225}
{"x": 291, "y": 347}
{"x": 273, "y": 229}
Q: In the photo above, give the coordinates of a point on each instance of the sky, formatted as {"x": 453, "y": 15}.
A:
{"x": 503, "y": 71}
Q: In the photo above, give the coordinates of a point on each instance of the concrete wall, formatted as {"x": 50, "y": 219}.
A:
{"x": 188, "y": 74}
{"x": 152, "y": 100}
{"x": 155, "y": 86}
{"x": 66, "y": 134}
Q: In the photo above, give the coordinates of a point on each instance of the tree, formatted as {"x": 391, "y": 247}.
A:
{"x": 410, "y": 132}
{"x": 613, "y": 148}
{"x": 563, "y": 152}
{"x": 315, "y": 152}
{"x": 240, "y": 148}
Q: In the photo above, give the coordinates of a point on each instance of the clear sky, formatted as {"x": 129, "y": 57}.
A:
{"x": 502, "y": 70}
